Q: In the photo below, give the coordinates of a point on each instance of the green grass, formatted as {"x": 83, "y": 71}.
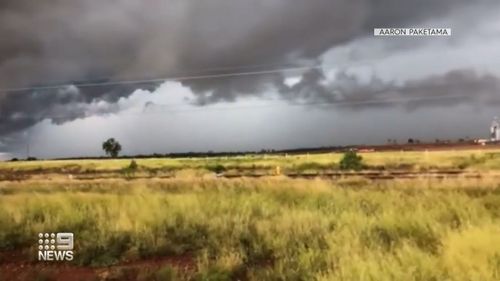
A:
{"x": 269, "y": 229}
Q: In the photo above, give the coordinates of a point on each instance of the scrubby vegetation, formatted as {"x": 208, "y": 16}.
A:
{"x": 351, "y": 161}
{"x": 268, "y": 229}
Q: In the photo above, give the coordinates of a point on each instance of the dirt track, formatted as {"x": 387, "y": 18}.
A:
{"x": 334, "y": 175}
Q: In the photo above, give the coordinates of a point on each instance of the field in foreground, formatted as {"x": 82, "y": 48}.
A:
{"x": 255, "y": 229}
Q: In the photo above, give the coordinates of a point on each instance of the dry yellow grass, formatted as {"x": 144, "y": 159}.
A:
{"x": 270, "y": 228}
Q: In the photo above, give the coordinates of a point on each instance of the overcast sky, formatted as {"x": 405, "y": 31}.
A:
{"x": 360, "y": 90}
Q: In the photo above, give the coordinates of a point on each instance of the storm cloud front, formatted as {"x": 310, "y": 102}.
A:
{"x": 72, "y": 43}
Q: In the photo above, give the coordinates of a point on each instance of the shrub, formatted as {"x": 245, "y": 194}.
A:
{"x": 130, "y": 170}
{"x": 133, "y": 165}
{"x": 351, "y": 161}
{"x": 218, "y": 169}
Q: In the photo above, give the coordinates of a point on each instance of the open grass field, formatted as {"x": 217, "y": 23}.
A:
{"x": 195, "y": 227}
{"x": 479, "y": 159}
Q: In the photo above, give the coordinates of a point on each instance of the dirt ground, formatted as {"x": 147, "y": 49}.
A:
{"x": 15, "y": 267}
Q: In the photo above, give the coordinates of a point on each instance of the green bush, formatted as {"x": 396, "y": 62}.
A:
{"x": 351, "y": 161}
{"x": 218, "y": 169}
{"x": 133, "y": 165}
{"x": 129, "y": 171}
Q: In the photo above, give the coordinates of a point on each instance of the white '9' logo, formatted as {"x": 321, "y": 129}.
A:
{"x": 64, "y": 241}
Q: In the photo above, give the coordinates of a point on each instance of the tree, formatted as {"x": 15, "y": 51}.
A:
{"x": 111, "y": 147}
{"x": 351, "y": 161}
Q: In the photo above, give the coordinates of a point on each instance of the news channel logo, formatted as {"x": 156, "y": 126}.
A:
{"x": 55, "y": 246}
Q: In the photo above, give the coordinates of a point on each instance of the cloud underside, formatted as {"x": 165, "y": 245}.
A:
{"x": 53, "y": 42}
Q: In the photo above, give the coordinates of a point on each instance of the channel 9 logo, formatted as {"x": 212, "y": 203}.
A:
{"x": 55, "y": 246}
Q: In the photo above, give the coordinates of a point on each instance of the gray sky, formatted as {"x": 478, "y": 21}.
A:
{"x": 366, "y": 90}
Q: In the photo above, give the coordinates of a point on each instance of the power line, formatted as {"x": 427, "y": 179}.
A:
{"x": 197, "y": 71}
{"x": 161, "y": 80}
{"x": 237, "y": 74}
{"x": 165, "y": 108}
{"x": 280, "y": 69}
{"x": 319, "y": 103}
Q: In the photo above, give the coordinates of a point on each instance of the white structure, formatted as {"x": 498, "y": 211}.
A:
{"x": 495, "y": 130}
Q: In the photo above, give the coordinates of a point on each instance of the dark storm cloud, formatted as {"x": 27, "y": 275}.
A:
{"x": 61, "y": 41}
{"x": 349, "y": 92}
{"x": 25, "y": 108}
{"x": 297, "y": 31}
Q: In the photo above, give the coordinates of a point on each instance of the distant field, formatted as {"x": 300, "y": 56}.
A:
{"x": 256, "y": 229}
{"x": 452, "y": 159}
